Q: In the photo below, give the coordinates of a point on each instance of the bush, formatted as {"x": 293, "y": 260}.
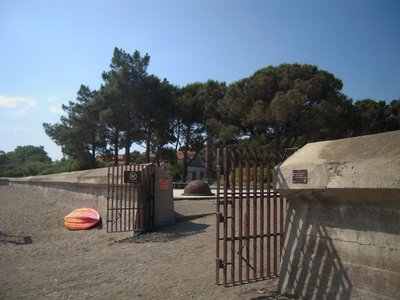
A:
{"x": 10, "y": 171}
{"x": 62, "y": 166}
{"x": 175, "y": 171}
{"x": 35, "y": 168}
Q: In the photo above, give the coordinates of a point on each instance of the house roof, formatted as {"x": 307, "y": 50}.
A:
{"x": 191, "y": 154}
{"x": 194, "y": 158}
{"x": 197, "y": 162}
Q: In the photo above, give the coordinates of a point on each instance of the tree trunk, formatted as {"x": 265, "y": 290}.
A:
{"x": 158, "y": 155}
{"x": 127, "y": 153}
{"x": 185, "y": 165}
{"x": 128, "y": 144}
{"x": 148, "y": 145}
{"x": 277, "y": 141}
{"x": 93, "y": 155}
{"x": 185, "y": 156}
{"x": 116, "y": 146}
{"x": 209, "y": 158}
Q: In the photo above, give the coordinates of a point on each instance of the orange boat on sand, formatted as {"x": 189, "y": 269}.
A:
{"x": 81, "y": 218}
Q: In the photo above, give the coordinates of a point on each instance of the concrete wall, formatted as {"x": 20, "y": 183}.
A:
{"x": 343, "y": 224}
{"x": 90, "y": 189}
{"x": 72, "y": 189}
{"x": 198, "y": 170}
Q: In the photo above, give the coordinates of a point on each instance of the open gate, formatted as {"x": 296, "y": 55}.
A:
{"x": 130, "y": 197}
{"x": 250, "y": 217}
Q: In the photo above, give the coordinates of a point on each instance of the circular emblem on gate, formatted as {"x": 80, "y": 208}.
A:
{"x": 133, "y": 176}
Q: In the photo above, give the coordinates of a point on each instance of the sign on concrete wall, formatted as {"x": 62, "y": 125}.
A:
{"x": 299, "y": 176}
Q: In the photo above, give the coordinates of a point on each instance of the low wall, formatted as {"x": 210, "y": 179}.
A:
{"x": 342, "y": 225}
{"x": 90, "y": 189}
{"x": 72, "y": 189}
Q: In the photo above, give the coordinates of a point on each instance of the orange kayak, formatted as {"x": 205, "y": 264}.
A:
{"x": 81, "y": 218}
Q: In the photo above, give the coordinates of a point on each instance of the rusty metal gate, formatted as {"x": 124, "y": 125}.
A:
{"x": 130, "y": 197}
{"x": 250, "y": 217}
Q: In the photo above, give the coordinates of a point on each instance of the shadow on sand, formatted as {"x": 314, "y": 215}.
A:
{"x": 15, "y": 239}
{"x": 167, "y": 233}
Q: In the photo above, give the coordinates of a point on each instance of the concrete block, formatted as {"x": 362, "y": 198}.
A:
{"x": 342, "y": 227}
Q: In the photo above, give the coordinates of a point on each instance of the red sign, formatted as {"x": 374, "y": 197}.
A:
{"x": 163, "y": 184}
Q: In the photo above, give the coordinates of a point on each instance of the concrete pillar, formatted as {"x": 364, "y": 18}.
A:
{"x": 163, "y": 198}
{"x": 343, "y": 219}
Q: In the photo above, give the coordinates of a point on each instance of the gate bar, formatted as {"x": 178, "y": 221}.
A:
{"x": 254, "y": 218}
{"x": 247, "y": 221}
{"x": 262, "y": 219}
{"x": 240, "y": 262}
{"x": 232, "y": 170}
{"x": 226, "y": 182}
{"x": 218, "y": 218}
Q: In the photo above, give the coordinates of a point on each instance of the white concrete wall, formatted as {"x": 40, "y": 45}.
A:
{"x": 338, "y": 246}
{"x": 343, "y": 223}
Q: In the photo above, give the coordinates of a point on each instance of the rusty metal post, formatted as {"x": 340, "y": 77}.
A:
{"x": 255, "y": 214}
{"x": 233, "y": 213}
{"x": 247, "y": 219}
{"x": 240, "y": 218}
{"x": 281, "y": 218}
{"x": 218, "y": 218}
{"x": 275, "y": 236}
{"x": 110, "y": 195}
{"x": 225, "y": 212}
{"x": 268, "y": 219}
{"x": 262, "y": 219}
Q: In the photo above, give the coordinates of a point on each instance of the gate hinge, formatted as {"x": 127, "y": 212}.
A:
{"x": 220, "y": 263}
{"x": 220, "y": 217}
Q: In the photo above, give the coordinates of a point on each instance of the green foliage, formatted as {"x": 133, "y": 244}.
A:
{"x": 394, "y": 115}
{"x": 26, "y": 154}
{"x": 23, "y": 161}
{"x": 80, "y": 134}
{"x": 277, "y": 107}
{"x": 123, "y": 86}
{"x": 370, "y": 116}
{"x": 30, "y": 161}
{"x": 62, "y": 166}
{"x": 175, "y": 170}
{"x": 4, "y": 158}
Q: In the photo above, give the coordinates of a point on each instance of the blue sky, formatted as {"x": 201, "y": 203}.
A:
{"x": 49, "y": 48}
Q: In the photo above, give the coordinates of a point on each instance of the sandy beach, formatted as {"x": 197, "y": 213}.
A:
{"x": 41, "y": 259}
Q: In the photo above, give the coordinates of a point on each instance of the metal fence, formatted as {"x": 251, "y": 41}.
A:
{"x": 250, "y": 217}
{"x": 130, "y": 197}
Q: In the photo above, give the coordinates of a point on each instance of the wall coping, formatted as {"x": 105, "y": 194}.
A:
{"x": 95, "y": 177}
{"x": 365, "y": 162}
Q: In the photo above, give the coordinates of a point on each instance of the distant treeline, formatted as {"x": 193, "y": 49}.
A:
{"x": 277, "y": 107}
{"x": 31, "y": 160}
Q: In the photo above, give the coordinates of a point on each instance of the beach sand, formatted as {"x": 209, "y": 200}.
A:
{"x": 41, "y": 259}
